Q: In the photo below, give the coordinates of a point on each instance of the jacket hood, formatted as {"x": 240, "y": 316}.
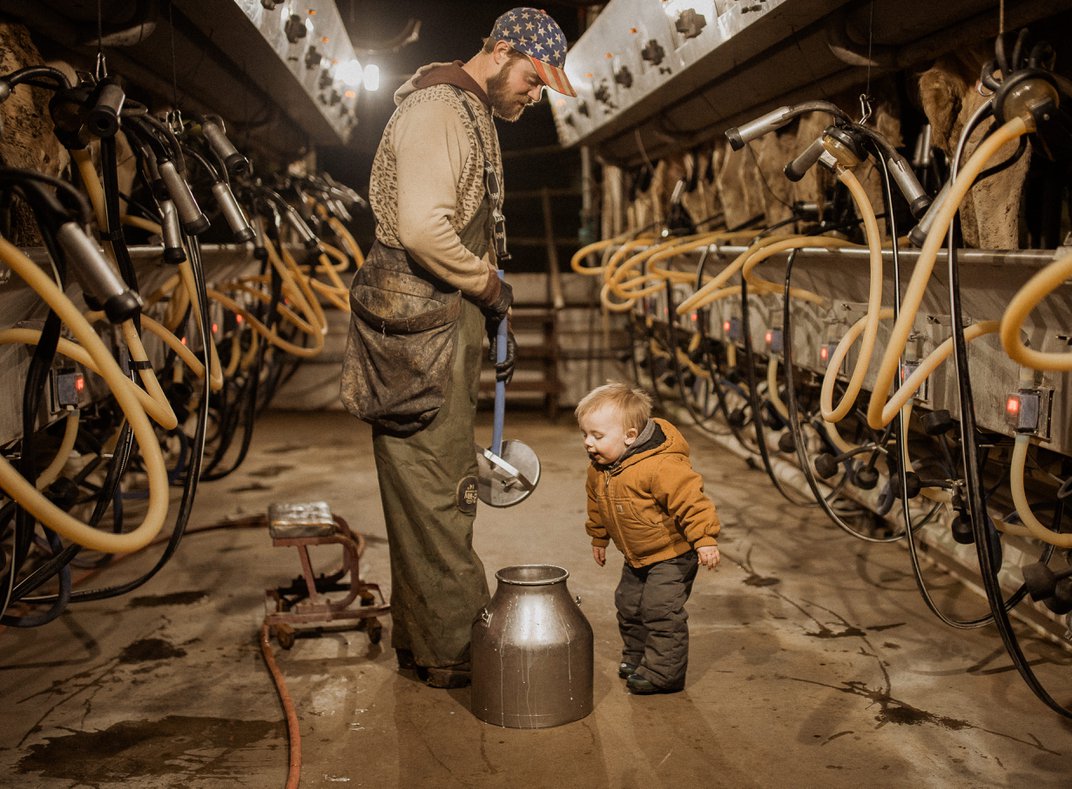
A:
{"x": 664, "y": 439}
{"x": 441, "y": 74}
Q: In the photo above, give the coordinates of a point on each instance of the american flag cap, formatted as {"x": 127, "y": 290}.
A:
{"x": 533, "y": 32}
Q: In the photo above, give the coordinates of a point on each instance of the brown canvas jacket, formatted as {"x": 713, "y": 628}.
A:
{"x": 651, "y": 504}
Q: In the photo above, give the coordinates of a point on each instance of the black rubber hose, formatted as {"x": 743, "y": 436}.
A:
{"x": 982, "y": 526}
{"x": 794, "y": 417}
{"x": 753, "y": 396}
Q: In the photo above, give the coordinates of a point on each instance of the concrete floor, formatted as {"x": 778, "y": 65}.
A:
{"x": 813, "y": 659}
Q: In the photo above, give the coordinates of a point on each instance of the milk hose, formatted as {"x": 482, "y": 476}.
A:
{"x": 714, "y": 375}
{"x": 107, "y": 496}
{"x": 577, "y": 261}
{"x": 753, "y": 397}
{"x": 795, "y": 428}
{"x": 246, "y": 368}
{"x": 25, "y": 525}
{"x": 1026, "y": 299}
{"x": 794, "y": 421}
{"x": 46, "y": 208}
{"x": 879, "y": 413}
{"x": 197, "y": 451}
{"x": 1030, "y": 295}
{"x": 901, "y": 432}
{"x": 160, "y": 411}
{"x": 24, "y": 492}
{"x": 190, "y": 482}
{"x": 830, "y": 412}
{"x": 250, "y": 363}
{"x": 248, "y": 402}
{"x": 711, "y": 373}
{"x": 39, "y": 366}
{"x": 236, "y": 404}
{"x": 986, "y": 537}
{"x": 1023, "y": 507}
{"x": 718, "y": 382}
{"x": 612, "y": 277}
{"x": 673, "y": 247}
{"x": 605, "y": 247}
{"x": 304, "y": 296}
{"x": 677, "y": 361}
{"x": 349, "y": 243}
{"x": 102, "y": 199}
{"x": 634, "y": 288}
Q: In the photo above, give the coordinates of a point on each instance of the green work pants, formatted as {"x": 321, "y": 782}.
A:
{"x": 427, "y": 487}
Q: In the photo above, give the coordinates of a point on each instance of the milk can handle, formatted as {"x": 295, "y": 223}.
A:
{"x": 577, "y": 599}
{"x": 485, "y": 615}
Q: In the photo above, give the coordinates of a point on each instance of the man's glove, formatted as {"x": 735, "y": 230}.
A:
{"x": 497, "y": 308}
{"x": 495, "y": 312}
{"x": 504, "y": 370}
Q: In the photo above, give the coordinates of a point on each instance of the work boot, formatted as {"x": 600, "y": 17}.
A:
{"x": 639, "y": 686}
{"x": 626, "y": 670}
{"x": 406, "y": 661}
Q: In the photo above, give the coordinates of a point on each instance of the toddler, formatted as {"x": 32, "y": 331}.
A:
{"x": 644, "y": 495}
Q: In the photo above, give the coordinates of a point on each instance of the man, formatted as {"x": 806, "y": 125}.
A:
{"x": 422, "y": 302}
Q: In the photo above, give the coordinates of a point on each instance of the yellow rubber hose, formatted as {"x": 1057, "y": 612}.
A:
{"x": 1026, "y": 299}
{"x": 26, "y": 494}
{"x": 877, "y": 416}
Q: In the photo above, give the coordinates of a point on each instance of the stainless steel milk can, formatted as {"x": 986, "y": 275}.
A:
{"x": 531, "y": 652}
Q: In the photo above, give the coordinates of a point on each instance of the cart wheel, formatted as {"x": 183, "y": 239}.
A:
{"x": 375, "y": 630}
{"x": 284, "y": 634}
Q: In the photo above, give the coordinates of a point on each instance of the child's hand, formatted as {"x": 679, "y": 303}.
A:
{"x": 599, "y": 553}
{"x": 709, "y": 556}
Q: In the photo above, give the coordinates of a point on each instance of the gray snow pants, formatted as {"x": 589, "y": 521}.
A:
{"x": 653, "y": 621}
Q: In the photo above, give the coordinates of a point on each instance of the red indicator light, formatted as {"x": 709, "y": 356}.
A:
{"x": 694, "y": 317}
{"x": 239, "y": 319}
{"x": 215, "y": 328}
{"x": 824, "y": 353}
{"x": 1012, "y": 405}
{"x": 769, "y": 337}
{"x": 726, "y": 326}
{"x": 79, "y": 384}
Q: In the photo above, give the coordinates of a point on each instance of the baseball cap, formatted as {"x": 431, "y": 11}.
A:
{"x": 534, "y": 33}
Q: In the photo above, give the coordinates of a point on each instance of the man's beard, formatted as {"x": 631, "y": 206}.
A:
{"x": 507, "y": 106}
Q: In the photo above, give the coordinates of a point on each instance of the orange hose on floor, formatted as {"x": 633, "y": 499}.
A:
{"x": 293, "y": 731}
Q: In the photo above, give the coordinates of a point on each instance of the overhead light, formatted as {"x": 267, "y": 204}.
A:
{"x": 371, "y": 77}
{"x": 349, "y": 73}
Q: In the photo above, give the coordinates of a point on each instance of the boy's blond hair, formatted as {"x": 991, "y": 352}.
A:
{"x": 632, "y": 405}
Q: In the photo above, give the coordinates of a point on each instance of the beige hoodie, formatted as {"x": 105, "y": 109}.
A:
{"x": 427, "y": 179}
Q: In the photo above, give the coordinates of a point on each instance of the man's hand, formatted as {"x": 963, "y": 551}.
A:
{"x": 499, "y": 307}
{"x": 599, "y": 553}
{"x": 495, "y": 313}
{"x": 504, "y": 370}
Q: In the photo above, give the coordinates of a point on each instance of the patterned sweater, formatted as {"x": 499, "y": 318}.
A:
{"x": 427, "y": 179}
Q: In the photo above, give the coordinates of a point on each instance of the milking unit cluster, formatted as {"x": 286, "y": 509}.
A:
{"x": 156, "y": 292}
{"x": 863, "y": 288}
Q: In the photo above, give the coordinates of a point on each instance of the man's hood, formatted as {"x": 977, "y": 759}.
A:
{"x": 442, "y": 74}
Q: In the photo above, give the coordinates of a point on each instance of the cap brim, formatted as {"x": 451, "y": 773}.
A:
{"x": 553, "y": 77}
